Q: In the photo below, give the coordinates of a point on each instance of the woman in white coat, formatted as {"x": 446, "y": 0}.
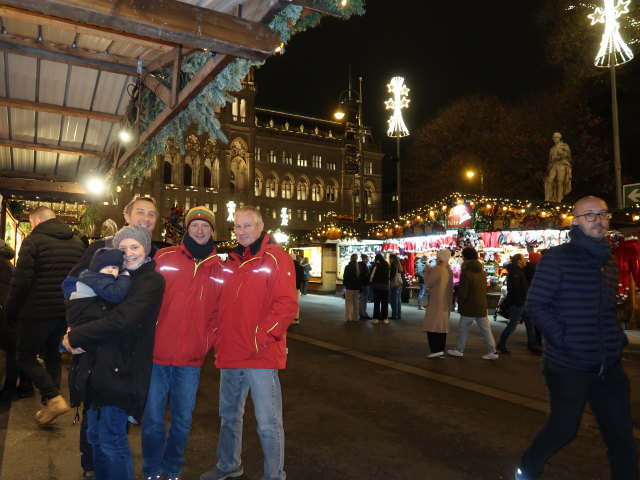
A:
{"x": 439, "y": 281}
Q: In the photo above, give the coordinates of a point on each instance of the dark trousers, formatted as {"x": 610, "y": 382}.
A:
{"x": 86, "y": 449}
{"x": 41, "y": 336}
{"x": 380, "y": 303}
{"x": 608, "y": 396}
{"x": 437, "y": 341}
{"x": 304, "y": 287}
{"x": 8, "y": 344}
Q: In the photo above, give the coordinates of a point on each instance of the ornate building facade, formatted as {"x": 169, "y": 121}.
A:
{"x": 272, "y": 160}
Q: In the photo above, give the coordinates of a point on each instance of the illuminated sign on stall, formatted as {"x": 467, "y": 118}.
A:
{"x": 460, "y": 217}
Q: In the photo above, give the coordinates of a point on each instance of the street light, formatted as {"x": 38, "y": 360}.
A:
{"x": 613, "y": 52}
{"x": 470, "y": 174}
{"x": 397, "y": 128}
{"x": 350, "y": 109}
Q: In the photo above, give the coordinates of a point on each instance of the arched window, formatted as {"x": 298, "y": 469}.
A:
{"x": 234, "y": 109}
{"x": 330, "y": 193}
{"x": 368, "y": 193}
{"x": 302, "y": 190}
{"x": 166, "y": 174}
{"x": 270, "y": 187}
{"x": 287, "y": 188}
{"x": 187, "y": 174}
{"x": 316, "y": 192}
{"x": 215, "y": 174}
{"x": 257, "y": 184}
{"x": 206, "y": 177}
{"x": 243, "y": 110}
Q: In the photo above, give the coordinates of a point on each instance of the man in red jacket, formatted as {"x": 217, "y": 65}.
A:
{"x": 257, "y": 305}
{"x": 189, "y": 305}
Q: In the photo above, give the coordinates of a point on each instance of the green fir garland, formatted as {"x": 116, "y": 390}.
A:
{"x": 201, "y": 110}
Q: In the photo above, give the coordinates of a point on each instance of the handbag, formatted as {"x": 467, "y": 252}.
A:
{"x": 503, "y": 309}
{"x": 396, "y": 281}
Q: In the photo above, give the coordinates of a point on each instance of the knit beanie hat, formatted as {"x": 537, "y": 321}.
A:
{"x": 106, "y": 257}
{"x": 200, "y": 213}
{"x": 141, "y": 235}
{"x": 444, "y": 254}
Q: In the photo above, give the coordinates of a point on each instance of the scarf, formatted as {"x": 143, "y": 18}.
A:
{"x": 197, "y": 251}
{"x": 600, "y": 249}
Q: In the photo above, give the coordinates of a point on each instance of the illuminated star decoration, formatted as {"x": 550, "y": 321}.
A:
{"x": 397, "y": 128}
{"x": 613, "y": 50}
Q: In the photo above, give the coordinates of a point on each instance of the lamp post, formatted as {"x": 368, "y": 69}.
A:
{"x": 397, "y": 128}
{"x": 351, "y": 110}
{"x": 470, "y": 174}
{"x": 613, "y": 52}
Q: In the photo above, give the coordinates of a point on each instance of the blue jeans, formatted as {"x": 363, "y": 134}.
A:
{"x": 395, "y": 299}
{"x": 362, "y": 299}
{"x": 162, "y": 453}
{"x": 264, "y": 385}
{"x": 515, "y": 314}
{"x": 423, "y": 288}
{"x": 608, "y": 396}
{"x": 107, "y": 433}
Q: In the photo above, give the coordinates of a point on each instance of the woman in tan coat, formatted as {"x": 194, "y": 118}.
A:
{"x": 439, "y": 281}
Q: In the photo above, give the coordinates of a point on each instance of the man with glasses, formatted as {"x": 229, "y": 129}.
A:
{"x": 572, "y": 300}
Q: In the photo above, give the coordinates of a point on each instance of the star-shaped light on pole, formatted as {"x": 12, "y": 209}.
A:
{"x": 613, "y": 50}
{"x": 397, "y": 128}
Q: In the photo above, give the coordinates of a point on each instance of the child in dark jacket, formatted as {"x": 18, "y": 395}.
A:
{"x": 99, "y": 288}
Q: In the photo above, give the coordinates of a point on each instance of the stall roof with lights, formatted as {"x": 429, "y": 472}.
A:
{"x": 68, "y": 67}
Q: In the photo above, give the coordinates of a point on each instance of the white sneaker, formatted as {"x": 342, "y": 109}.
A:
{"x": 491, "y": 356}
{"x": 455, "y": 353}
{"x": 435, "y": 355}
{"x": 375, "y": 321}
{"x": 385, "y": 321}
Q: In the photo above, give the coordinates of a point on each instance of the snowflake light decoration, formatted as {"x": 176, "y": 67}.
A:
{"x": 400, "y": 100}
{"x": 613, "y": 51}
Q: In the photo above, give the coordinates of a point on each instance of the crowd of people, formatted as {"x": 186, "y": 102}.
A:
{"x": 139, "y": 322}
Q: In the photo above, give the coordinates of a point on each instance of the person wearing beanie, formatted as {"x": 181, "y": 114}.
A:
{"x": 472, "y": 304}
{"x": 439, "y": 281}
{"x": 140, "y": 212}
{"x": 572, "y": 300}
{"x": 183, "y": 338}
{"x": 119, "y": 344}
{"x": 103, "y": 277}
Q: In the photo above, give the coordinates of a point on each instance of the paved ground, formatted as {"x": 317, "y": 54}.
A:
{"x": 361, "y": 401}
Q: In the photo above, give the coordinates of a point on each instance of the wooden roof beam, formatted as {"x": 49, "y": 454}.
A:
{"x": 54, "y": 56}
{"x": 167, "y": 21}
{"x": 70, "y": 26}
{"x": 43, "y": 147}
{"x": 52, "y": 108}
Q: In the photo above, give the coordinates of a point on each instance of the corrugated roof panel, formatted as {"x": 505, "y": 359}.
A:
{"x": 67, "y": 165}
{"x": 22, "y": 82}
{"x": 17, "y": 27}
{"x": 97, "y": 133}
{"x": 87, "y": 166}
{"x": 53, "y": 77}
{"x": 73, "y": 131}
{"x": 109, "y": 92}
{"x": 82, "y": 82}
{"x": 4, "y": 122}
{"x": 3, "y": 90}
{"x": 90, "y": 42}
{"x": 22, "y": 122}
{"x": 56, "y": 35}
{"x": 46, "y": 162}
{"x": 23, "y": 160}
{"x": 5, "y": 158}
{"x": 48, "y": 127}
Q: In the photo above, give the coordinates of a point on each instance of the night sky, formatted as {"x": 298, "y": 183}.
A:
{"x": 443, "y": 50}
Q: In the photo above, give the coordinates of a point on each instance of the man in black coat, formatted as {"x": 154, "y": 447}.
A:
{"x": 36, "y": 305}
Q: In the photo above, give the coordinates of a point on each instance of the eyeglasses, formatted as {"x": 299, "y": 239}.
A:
{"x": 591, "y": 217}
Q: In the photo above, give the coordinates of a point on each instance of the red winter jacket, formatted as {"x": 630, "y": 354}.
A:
{"x": 258, "y": 303}
{"x": 189, "y": 305}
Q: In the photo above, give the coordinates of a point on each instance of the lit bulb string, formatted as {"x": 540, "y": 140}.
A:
{"x": 490, "y": 208}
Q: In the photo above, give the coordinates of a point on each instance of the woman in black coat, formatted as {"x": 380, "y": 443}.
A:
{"x": 380, "y": 284}
{"x": 121, "y": 345}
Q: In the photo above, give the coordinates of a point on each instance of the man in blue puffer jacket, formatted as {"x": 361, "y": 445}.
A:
{"x": 572, "y": 300}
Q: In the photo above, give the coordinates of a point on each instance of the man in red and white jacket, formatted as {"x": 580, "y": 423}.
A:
{"x": 258, "y": 303}
{"x": 192, "y": 272}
